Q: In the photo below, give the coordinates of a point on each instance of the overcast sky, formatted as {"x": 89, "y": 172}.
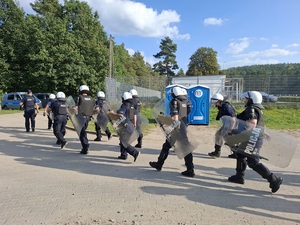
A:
{"x": 242, "y": 32}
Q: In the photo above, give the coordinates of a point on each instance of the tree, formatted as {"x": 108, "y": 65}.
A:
{"x": 180, "y": 73}
{"x": 203, "y": 62}
{"x": 167, "y": 63}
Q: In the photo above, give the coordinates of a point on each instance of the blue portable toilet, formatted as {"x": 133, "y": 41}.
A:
{"x": 169, "y": 97}
{"x": 199, "y": 97}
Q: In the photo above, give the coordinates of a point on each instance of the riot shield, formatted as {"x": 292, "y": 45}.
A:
{"x": 278, "y": 148}
{"x": 176, "y": 132}
{"x": 124, "y": 129}
{"x": 141, "y": 123}
{"x": 101, "y": 118}
{"x": 76, "y": 119}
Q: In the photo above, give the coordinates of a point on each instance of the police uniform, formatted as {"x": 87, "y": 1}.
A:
{"x": 50, "y": 122}
{"x": 85, "y": 105}
{"x": 100, "y": 103}
{"x": 253, "y": 111}
{"x": 178, "y": 106}
{"x": 59, "y": 110}
{"x": 225, "y": 109}
{"x": 137, "y": 105}
{"x": 29, "y": 105}
{"x": 128, "y": 111}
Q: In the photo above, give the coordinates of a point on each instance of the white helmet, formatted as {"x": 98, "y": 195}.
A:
{"x": 133, "y": 92}
{"x": 52, "y": 96}
{"x": 60, "y": 94}
{"x": 254, "y": 95}
{"x": 177, "y": 91}
{"x": 84, "y": 88}
{"x": 217, "y": 97}
{"x": 100, "y": 94}
{"x": 127, "y": 96}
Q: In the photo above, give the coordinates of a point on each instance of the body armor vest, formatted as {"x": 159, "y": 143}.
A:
{"x": 62, "y": 107}
{"x": 29, "y": 102}
{"x": 86, "y": 105}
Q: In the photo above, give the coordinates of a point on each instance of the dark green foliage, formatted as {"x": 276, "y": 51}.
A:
{"x": 203, "y": 62}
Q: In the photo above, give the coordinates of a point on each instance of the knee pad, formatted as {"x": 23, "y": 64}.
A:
{"x": 252, "y": 162}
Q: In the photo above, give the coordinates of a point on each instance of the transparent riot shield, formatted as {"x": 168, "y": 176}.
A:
{"x": 125, "y": 129}
{"x": 276, "y": 147}
{"x": 101, "y": 118}
{"x": 76, "y": 119}
{"x": 176, "y": 132}
{"x": 141, "y": 123}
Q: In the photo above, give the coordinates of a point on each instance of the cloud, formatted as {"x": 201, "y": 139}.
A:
{"x": 274, "y": 45}
{"x": 237, "y": 47}
{"x": 267, "y": 53}
{"x": 124, "y": 17}
{"x": 294, "y": 45}
{"x": 213, "y": 21}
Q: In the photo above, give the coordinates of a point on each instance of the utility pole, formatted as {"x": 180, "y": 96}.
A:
{"x": 111, "y": 57}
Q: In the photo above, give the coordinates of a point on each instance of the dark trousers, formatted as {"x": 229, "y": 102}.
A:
{"x": 98, "y": 131}
{"x": 83, "y": 135}
{"x": 29, "y": 119}
{"x": 59, "y": 127}
{"x": 49, "y": 122}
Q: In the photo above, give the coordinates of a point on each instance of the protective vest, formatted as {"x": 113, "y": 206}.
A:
{"x": 62, "y": 107}
{"x": 29, "y": 102}
{"x": 226, "y": 109}
{"x": 137, "y": 104}
{"x": 181, "y": 108}
{"x": 86, "y": 105}
{"x": 130, "y": 111}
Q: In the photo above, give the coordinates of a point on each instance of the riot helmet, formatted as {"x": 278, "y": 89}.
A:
{"x": 100, "y": 94}
{"x": 60, "y": 95}
{"x": 134, "y": 93}
{"x": 52, "y": 96}
{"x": 126, "y": 96}
{"x": 253, "y": 98}
{"x": 178, "y": 91}
{"x": 217, "y": 97}
{"x": 84, "y": 89}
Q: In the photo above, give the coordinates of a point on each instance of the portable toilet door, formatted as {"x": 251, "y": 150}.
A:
{"x": 168, "y": 97}
{"x": 199, "y": 97}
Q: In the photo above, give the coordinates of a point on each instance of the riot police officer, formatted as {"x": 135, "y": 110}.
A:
{"x": 137, "y": 105}
{"x": 101, "y": 103}
{"x": 224, "y": 109}
{"x": 59, "y": 110}
{"x": 254, "y": 117}
{"x": 85, "y": 106}
{"x": 51, "y": 99}
{"x": 129, "y": 112}
{"x": 180, "y": 107}
{"x": 30, "y": 105}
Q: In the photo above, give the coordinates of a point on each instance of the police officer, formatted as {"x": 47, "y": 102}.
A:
{"x": 129, "y": 112}
{"x": 30, "y": 105}
{"x": 253, "y": 116}
{"x": 59, "y": 110}
{"x": 224, "y": 109}
{"x": 100, "y": 103}
{"x": 85, "y": 106}
{"x": 137, "y": 105}
{"x": 51, "y": 99}
{"x": 180, "y": 107}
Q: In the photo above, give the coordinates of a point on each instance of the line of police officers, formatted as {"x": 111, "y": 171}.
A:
{"x": 179, "y": 110}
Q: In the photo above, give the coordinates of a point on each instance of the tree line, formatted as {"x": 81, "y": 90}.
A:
{"x": 63, "y": 46}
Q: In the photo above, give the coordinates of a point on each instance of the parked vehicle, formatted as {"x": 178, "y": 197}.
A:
{"x": 12, "y": 100}
{"x": 44, "y": 97}
{"x": 266, "y": 97}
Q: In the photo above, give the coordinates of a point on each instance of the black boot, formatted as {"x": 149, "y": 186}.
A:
{"x": 139, "y": 144}
{"x": 274, "y": 181}
{"x": 189, "y": 166}
{"x": 162, "y": 157}
{"x": 241, "y": 166}
{"x": 216, "y": 153}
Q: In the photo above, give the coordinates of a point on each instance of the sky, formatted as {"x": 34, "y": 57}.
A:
{"x": 248, "y": 32}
